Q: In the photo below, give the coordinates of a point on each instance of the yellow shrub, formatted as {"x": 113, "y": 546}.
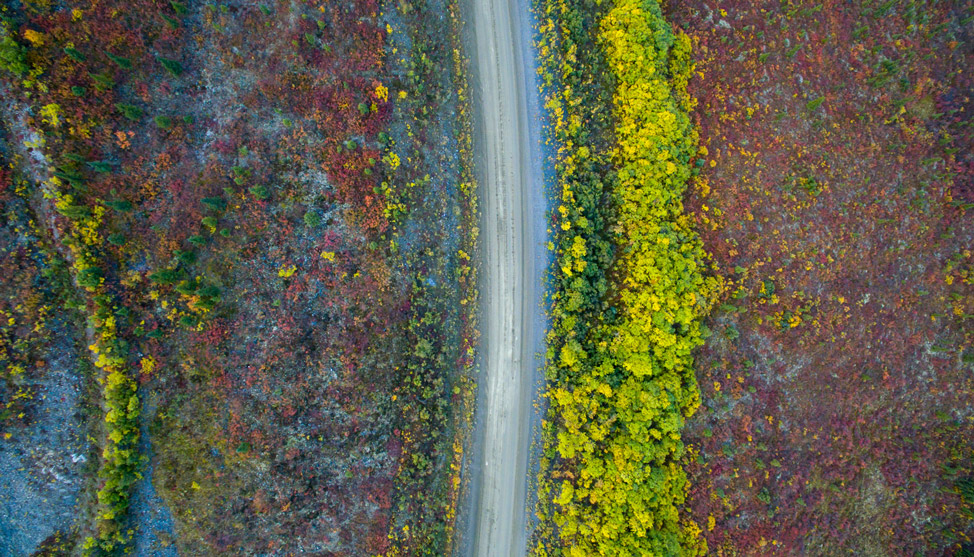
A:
{"x": 628, "y": 436}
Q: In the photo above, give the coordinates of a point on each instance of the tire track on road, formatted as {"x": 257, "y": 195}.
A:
{"x": 512, "y": 278}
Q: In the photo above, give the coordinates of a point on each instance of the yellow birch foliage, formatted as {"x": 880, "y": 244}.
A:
{"x": 620, "y": 420}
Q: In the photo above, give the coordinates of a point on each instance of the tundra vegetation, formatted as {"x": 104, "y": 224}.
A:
{"x": 266, "y": 251}
{"x": 760, "y": 338}
{"x": 238, "y": 278}
{"x": 836, "y": 199}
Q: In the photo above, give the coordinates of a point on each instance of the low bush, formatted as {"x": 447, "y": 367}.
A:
{"x": 174, "y": 68}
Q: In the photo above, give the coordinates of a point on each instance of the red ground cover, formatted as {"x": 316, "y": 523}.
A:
{"x": 835, "y": 196}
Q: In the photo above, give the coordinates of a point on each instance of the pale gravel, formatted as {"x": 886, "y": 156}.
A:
{"x": 508, "y": 157}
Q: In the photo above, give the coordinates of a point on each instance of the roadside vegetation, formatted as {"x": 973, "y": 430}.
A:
{"x": 629, "y": 284}
{"x": 828, "y": 331}
{"x": 271, "y": 246}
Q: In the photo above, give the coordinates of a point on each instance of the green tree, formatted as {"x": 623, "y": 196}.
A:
{"x": 103, "y": 82}
{"x": 74, "y": 54}
{"x": 214, "y": 203}
{"x": 166, "y": 276}
{"x": 120, "y": 61}
{"x": 12, "y": 54}
{"x": 172, "y": 66}
{"x": 130, "y": 111}
{"x": 312, "y": 219}
{"x": 163, "y": 122}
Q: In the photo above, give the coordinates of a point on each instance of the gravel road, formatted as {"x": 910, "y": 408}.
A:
{"x": 509, "y": 169}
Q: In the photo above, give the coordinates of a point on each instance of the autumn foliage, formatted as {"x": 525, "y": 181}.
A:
{"x": 619, "y": 398}
{"x": 255, "y": 230}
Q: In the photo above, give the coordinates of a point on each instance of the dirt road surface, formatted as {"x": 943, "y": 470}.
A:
{"x": 509, "y": 169}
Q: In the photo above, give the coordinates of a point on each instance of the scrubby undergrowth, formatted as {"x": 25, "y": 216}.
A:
{"x": 268, "y": 228}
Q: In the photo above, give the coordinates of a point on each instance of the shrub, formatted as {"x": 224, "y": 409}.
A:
{"x": 130, "y": 111}
{"x": 90, "y": 278}
{"x": 12, "y": 55}
{"x": 187, "y": 287}
{"x": 122, "y": 205}
{"x": 75, "y": 212}
{"x": 205, "y": 303}
{"x": 74, "y": 54}
{"x": 209, "y": 291}
{"x": 165, "y": 276}
{"x": 103, "y": 82}
{"x": 214, "y": 203}
{"x": 120, "y": 61}
{"x": 100, "y": 166}
{"x": 186, "y": 257}
{"x": 312, "y": 219}
{"x": 812, "y": 105}
{"x": 172, "y": 66}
